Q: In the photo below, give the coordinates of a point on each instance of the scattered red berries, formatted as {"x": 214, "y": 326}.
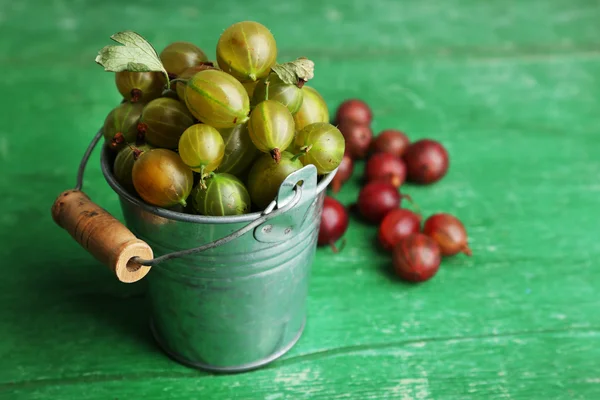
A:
{"x": 396, "y": 225}
{"x": 355, "y": 111}
{"x": 416, "y": 258}
{"x": 344, "y": 173}
{"x": 392, "y": 160}
{"x": 334, "y": 222}
{"x": 449, "y": 233}
{"x": 387, "y": 167}
{"x": 426, "y": 161}
{"x": 376, "y": 199}
{"x": 391, "y": 141}
{"x": 358, "y": 138}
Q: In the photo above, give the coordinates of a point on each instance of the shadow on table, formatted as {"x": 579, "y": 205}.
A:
{"x": 96, "y": 298}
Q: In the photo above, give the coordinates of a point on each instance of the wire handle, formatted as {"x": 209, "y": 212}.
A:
{"x": 240, "y": 232}
{"x": 116, "y": 246}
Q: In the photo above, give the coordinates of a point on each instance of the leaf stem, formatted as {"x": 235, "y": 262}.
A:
{"x": 167, "y": 76}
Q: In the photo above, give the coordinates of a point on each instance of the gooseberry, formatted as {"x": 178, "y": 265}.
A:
{"x": 322, "y": 145}
{"x": 123, "y": 165}
{"x": 266, "y": 177}
{"x": 334, "y": 222}
{"x": 391, "y": 141}
{"x": 247, "y": 50}
{"x": 426, "y": 161}
{"x": 121, "y": 125}
{"x": 217, "y": 99}
{"x": 224, "y": 195}
{"x": 313, "y": 108}
{"x": 240, "y": 152}
{"x": 449, "y": 233}
{"x": 188, "y": 74}
{"x": 140, "y": 86}
{"x": 387, "y": 167}
{"x": 416, "y": 258}
{"x": 179, "y": 56}
{"x": 161, "y": 178}
{"x": 343, "y": 173}
{"x": 163, "y": 122}
{"x": 358, "y": 138}
{"x": 376, "y": 199}
{"x": 273, "y": 88}
{"x": 354, "y": 111}
{"x": 271, "y": 128}
{"x": 201, "y": 148}
{"x": 396, "y": 225}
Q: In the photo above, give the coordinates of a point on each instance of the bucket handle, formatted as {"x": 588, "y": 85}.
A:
{"x": 114, "y": 245}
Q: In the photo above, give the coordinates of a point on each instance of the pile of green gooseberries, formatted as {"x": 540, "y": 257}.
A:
{"x": 224, "y": 136}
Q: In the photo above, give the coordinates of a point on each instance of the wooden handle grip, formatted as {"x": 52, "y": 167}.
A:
{"x": 105, "y": 237}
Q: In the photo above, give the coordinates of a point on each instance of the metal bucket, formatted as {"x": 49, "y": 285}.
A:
{"x": 240, "y": 305}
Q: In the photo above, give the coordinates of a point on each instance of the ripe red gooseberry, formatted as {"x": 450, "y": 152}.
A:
{"x": 391, "y": 141}
{"x": 358, "y": 138}
{"x": 397, "y": 225}
{"x": 449, "y": 233}
{"x": 416, "y": 258}
{"x": 386, "y": 167}
{"x": 355, "y": 111}
{"x": 426, "y": 161}
{"x": 334, "y": 222}
{"x": 343, "y": 173}
{"x": 378, "y": 198}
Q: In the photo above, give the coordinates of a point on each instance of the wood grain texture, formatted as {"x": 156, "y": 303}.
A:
{"x": 510, "y": 87}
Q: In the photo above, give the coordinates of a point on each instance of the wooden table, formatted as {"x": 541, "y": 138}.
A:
{"x": 510, "y": 87}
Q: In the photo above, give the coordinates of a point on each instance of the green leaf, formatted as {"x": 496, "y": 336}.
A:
{"x": 295, "y": 72}
{"x": 136, "y": 55}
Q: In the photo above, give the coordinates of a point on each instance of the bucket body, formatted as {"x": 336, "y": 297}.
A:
{"x": 242, "y": 304}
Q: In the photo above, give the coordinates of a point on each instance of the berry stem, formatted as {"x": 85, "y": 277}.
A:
{"x": 202, "y": 176}
{"x": 303, "y": 151}
{"x": 333, "y": 248}
{"x": 267, "y": 82}
{"x": 467, "y": 251}
{"x": 142, "y": 127}
{"x": 184, "y": 81}
{"x": 414, "y": 205}
{"x": 276, "y": 154}
{"x": 117, "y": 140}
{"x": 136, "y": 95}
{"x": 336, "y": 249}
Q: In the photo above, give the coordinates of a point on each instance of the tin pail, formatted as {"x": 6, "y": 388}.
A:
{"x": 239, "y": 305}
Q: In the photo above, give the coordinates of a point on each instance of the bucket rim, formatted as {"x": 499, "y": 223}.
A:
{"x": 106, "y": 167}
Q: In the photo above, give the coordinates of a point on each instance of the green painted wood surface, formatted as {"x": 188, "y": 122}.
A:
{"x": 511, "y": 87}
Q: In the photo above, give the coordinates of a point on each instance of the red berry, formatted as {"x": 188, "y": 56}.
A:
{"x": 449, "y": 233}
{"x": 343, "y": 173}
{"x": 416, "y": 258}
{"x": 355, "y": 111}
{"x": 376, "y": 199}
{"x": 426, "y": 161}
{"x": 334, "y": 222}
{"x": 358, "y": 138}
{"x": 384, "y": 166}
{"x": 391, "y": 141}
{"x": 397, "y": 225}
